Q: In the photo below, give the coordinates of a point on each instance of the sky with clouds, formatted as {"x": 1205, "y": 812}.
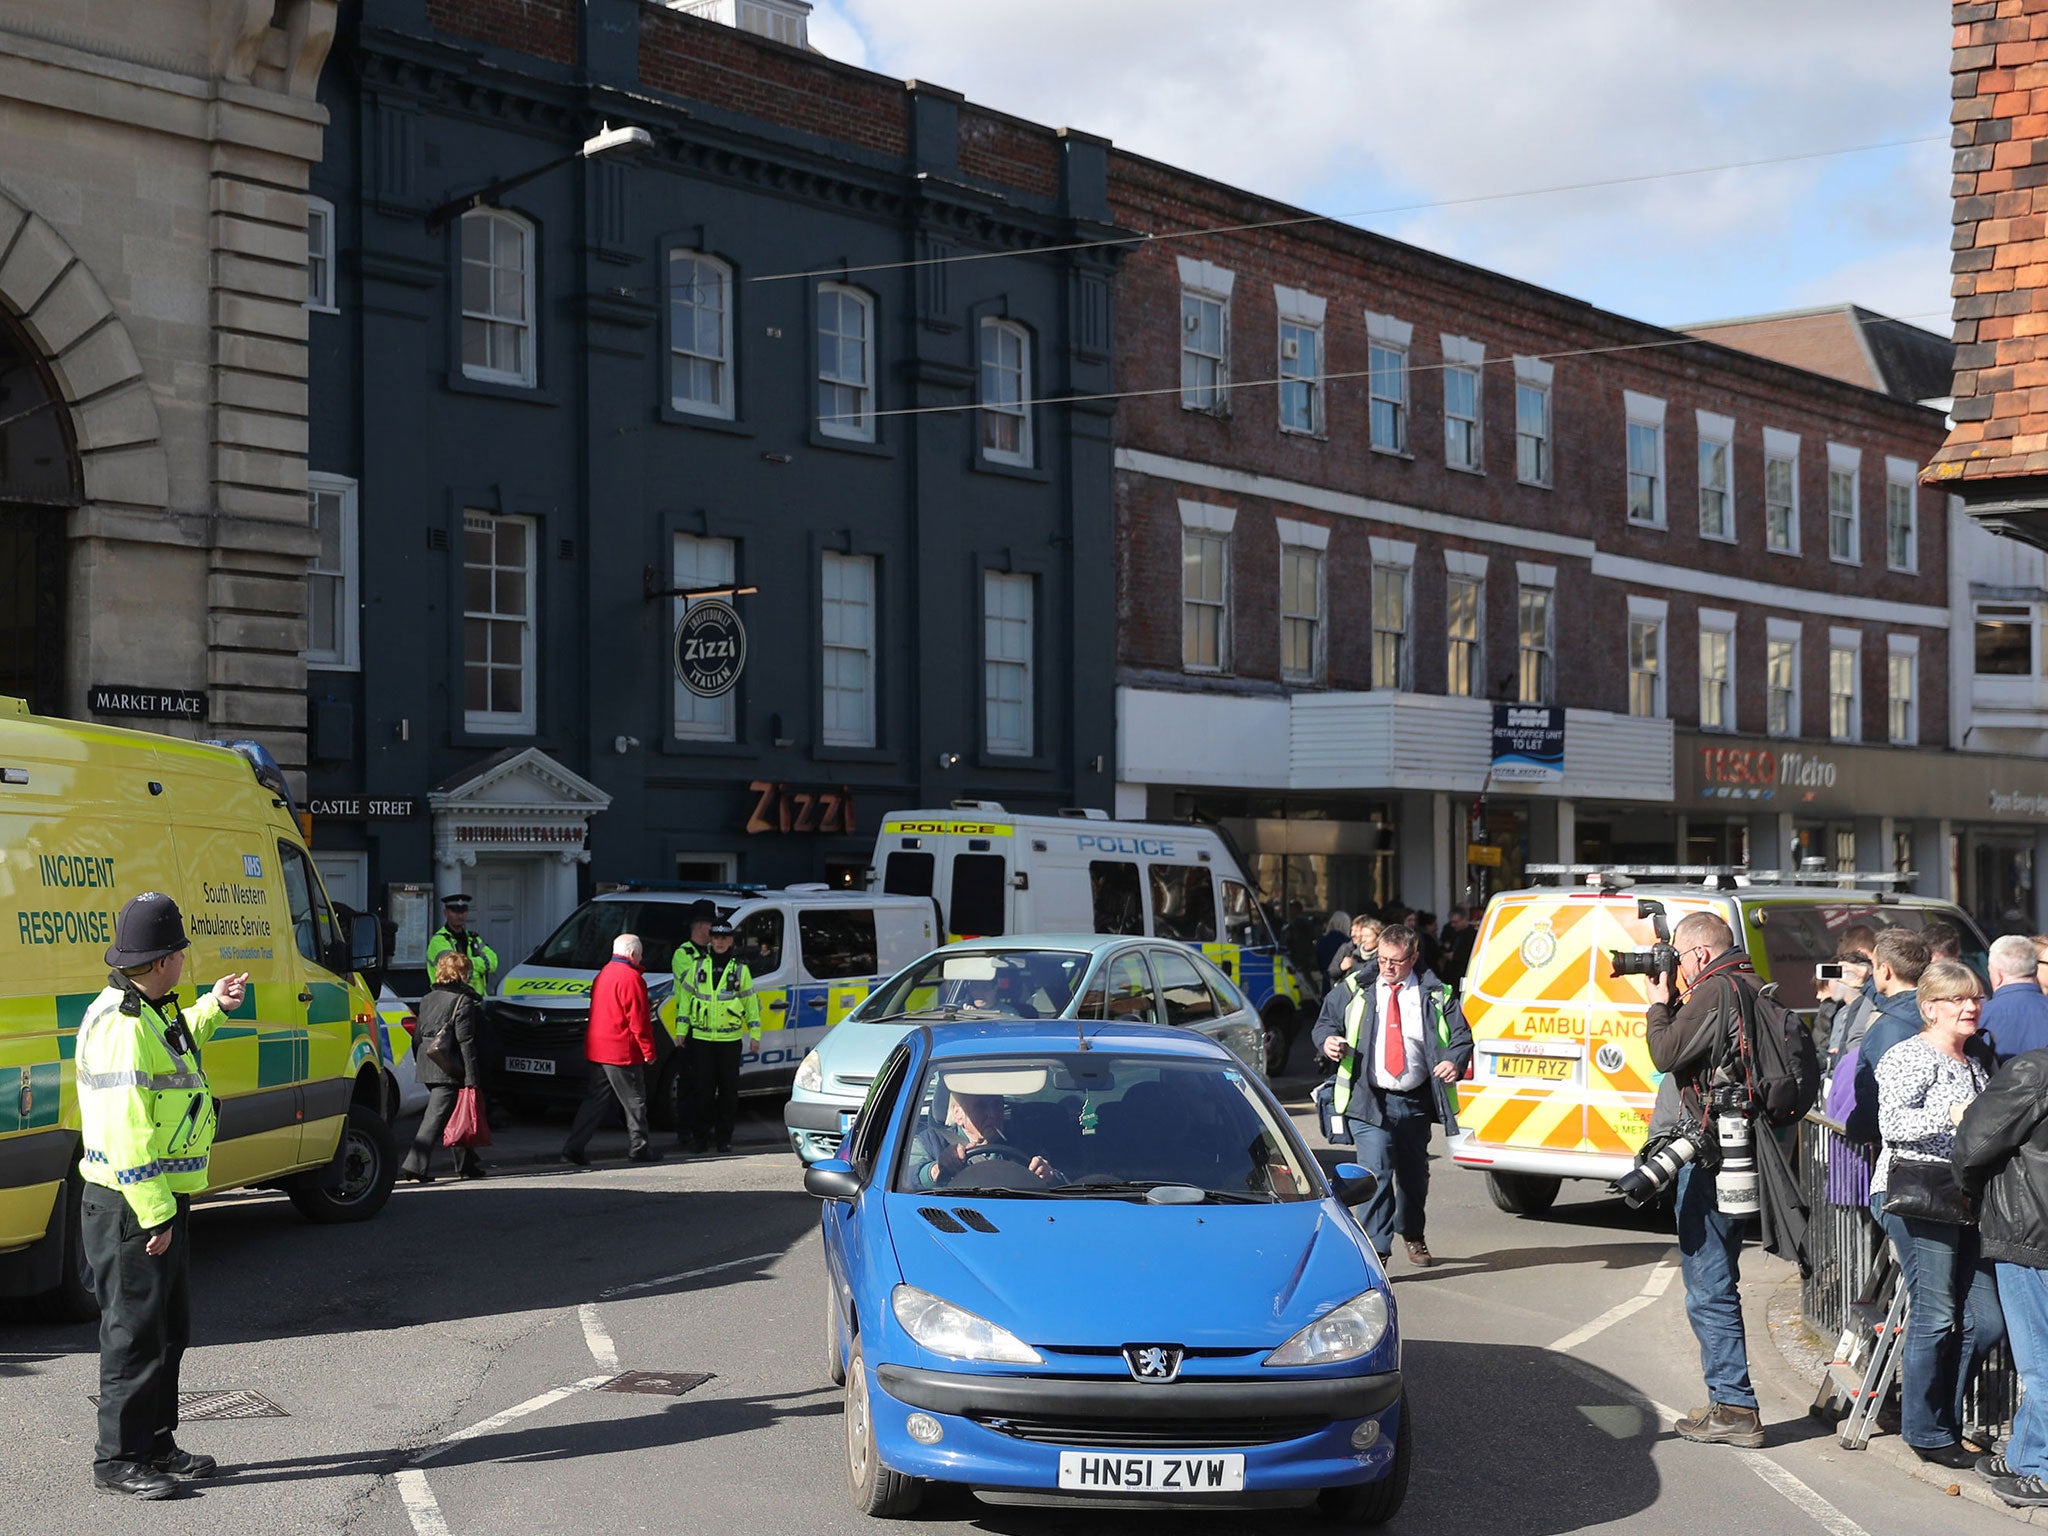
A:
{"x": 1368, "y": 108}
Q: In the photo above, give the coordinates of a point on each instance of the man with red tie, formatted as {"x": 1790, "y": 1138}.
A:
{"x": 1399, "y": 1041}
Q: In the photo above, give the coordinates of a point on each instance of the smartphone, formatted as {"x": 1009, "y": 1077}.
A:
{"x": 1828, "y": 970}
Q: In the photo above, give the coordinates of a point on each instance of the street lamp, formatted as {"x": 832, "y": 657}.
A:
{"x": 608, "y": 141}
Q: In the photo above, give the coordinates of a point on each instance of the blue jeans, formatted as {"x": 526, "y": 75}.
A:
{"x": 2023, "y": 1296}
{"x": 1708, "y": 1246}
{"x": 1953, "y": 1322}
{"x": 1397, "y": 1149}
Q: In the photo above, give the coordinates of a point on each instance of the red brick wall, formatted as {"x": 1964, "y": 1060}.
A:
{"x": 708, "y": 62}
{"x": 1013, "y": 153}
{"x": 2000, "y": 69}
{"x": 1357, "y": 273}
{"x": 545, "y": 29}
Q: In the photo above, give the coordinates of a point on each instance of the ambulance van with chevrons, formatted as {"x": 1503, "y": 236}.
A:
{"x": 1562, "y": 1086}
{"x": 995, "y": 873}
{"x": 90, "y": 816}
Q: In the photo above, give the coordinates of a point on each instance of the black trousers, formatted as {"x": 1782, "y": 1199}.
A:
{"x": 145, "y": 1326}
{"x": 433, "y": 1121}
{"x": 629, "y": 1087}
{"x": 711, "y": 1068}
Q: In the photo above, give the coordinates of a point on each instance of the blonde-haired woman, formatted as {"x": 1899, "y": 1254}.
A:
{"x": 450, "y": 1005}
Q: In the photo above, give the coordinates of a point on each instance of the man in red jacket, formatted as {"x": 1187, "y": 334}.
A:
{"x": 620, "y": 1044}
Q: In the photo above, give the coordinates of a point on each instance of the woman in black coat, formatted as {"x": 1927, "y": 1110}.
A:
{"x": 450, "y": 1003}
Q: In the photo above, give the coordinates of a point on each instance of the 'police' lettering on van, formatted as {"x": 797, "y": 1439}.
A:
{"x": 1147, "y": 847}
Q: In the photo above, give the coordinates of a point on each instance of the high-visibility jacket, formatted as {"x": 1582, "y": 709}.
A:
{"x": 144, "y": 1108}
{"x": 1444, "y": 1038}
{"x": 483, "y": 960}
{"x": 715, "y": 1000}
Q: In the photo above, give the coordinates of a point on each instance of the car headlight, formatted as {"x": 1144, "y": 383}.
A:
{"x": 945, "y": 1329}
{"x": 1340, "y": 1334}
{"x": 810, "y": 1076}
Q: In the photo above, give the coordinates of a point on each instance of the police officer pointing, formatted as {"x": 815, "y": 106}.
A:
{"x": 147, "y": 1118}
{"x": 454, "y": 934}
{"x": 718, "y": 994}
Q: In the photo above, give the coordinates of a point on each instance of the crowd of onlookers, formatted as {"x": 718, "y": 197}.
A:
{"x": 1349, "y": 941}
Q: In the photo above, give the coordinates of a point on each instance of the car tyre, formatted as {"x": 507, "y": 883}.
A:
{"x": 835, "y": 1359}
{"x": 1376, "y": 1502}
{"x": 369, "y": 1167}
{"x": 665, "y": 1104}
{"x": 71, "y": 1299}
{"x": 1522, "y": 1194}
{"x": 875, "y": 1488}
{"x": 1278, "y": 1027}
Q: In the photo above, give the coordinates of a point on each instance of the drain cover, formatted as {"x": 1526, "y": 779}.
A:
{"x": 234, "y": 1404}
{"x": 657, "y": 1383}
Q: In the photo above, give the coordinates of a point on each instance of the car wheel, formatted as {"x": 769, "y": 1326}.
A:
{"x": 71, "y": 1299}
{"x": 1376, "y": 1502}
{"x": 664, "y": 1105}
{"x": 369, "y": 1167}
{"x": 1522, "y": 1194}
{"x": 835, "y": 1359}
{"x": 1278, "y": 1027}
{"x": 876, "y": 1490}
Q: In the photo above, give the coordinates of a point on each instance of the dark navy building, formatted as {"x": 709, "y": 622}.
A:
{"x": 794, "y": 345}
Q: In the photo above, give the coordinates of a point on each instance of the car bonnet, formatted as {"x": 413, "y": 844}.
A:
{"x": 1088, "y": 1271}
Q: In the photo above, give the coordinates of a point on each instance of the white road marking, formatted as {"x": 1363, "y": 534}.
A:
{"x": 1802, "y": 1497}
{"x": 1658, "y": 1283}
{"x": 602, "y": 1350}
{"x": 500, "y": 1420}
{"x": 688, "y": 1274}
{"x": 421, "y": 1507}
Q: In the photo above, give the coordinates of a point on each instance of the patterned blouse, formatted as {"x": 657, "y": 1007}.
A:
{"x": 1917, "y": 1086}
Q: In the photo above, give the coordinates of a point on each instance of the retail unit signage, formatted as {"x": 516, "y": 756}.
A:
{"x": 793, "y": 808}
{"x": 711, "y": 648}
{"x": 1740, "y": 775}
{"x": 1528, "y": 744}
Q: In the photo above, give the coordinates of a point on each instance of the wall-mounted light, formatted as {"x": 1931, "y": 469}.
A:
{"x": 624, "y": 744}
{"x": 949, "y": 759}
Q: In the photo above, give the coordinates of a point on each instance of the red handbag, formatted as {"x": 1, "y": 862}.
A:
{"x": 467, "y": 1126}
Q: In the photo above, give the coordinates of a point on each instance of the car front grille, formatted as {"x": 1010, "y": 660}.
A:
{"x": 1154, "y": 1433}
{"x": 520, "y": 1028}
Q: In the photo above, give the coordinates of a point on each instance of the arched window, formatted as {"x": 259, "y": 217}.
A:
{"x": 700, "y": 361}
{"x": 846, "y": 362}
{"x": 499, "y": 339}
{"x": 1005, "y": 392}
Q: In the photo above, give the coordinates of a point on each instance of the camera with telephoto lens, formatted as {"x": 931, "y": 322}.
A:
{"x": 1660, "y": 959}
{"x": 1657, "y": 1165}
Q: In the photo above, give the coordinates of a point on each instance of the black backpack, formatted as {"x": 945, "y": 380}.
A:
{"x": 1779, "y": 1058}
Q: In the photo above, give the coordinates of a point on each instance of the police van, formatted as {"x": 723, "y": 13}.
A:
{"x": 815, "y": 953}
{"x": 90, "y": 816}
{"x": 994, "y": 873}
{"x": 1562, "y": 1086}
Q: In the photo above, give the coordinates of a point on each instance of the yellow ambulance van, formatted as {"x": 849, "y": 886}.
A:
{"x": 1562, "y": 1085}
{"x": 90, "y": 816}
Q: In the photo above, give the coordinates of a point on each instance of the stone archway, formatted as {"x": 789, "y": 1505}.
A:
{"x": 39, "y": 483}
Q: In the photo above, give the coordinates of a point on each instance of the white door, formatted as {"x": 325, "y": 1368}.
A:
{"x": 347, "y": 878}
{"x": 511, "y": 906}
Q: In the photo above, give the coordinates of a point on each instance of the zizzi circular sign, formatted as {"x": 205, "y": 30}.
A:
{"x": 711, "y": 648}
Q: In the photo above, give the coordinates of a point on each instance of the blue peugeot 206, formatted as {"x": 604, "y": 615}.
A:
{"x": 1095, "y": 1263}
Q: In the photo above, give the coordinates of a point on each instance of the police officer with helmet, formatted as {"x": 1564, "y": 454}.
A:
{"x": 454, "y": 934}
{"x": 147, "y": 1119}
{"x": 719, "y": 995}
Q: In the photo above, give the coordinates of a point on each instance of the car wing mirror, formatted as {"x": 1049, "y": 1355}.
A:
{"x": 832, "y": 1178}
{"x": 1353, "y": 1183}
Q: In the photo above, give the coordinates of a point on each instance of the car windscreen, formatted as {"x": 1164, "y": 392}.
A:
{"x": 982, "y": 984}
{"x": 584, "y": 942}
{"x": 1098, "y": 1125}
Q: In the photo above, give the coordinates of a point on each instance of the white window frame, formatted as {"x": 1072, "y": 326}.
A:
{"x": 1718, "y": 622}
{"x": 1206, "y": 283}
{"x": 1902, "y": 658}
{"x": 1303, "y": 314}
{"x": 1846, "y": 464}
{"x": 1393, "y": 569}
{"x": 863, "y": 734}
{"x": 320, "y": 256}
{"x": 1534, "y": 374}
{"x": 1647, "y": 412}
{"x": 1008, "y": 639}
{"x": 1310, "y": 541}
{"x": 1463, "y": 567}
{"x": 1777, "y": 633}
{"x": 527, "y": 324}
{"x": 1782, "y": 448}
{"x": 1388, "y": 337}
{"x": 346, "y": 656}
{"x": 2006, "y": 612}
{"x": 997, "y": 370}
{"x": 721, "y": 405}
{"x": 1845, "y": 642}
{"x": 1531, "y": 578}
{"x": 1651, "y": 614}
{"x": 1202, "y": 521}
{"x": 700, "y": 563}
{"x": 834, "y": 423}
{"x": 504, "y": 722}
{"x": 1902, "y": 475}
{"x": 1465, "y": 359}
{"x": 1717, "y": 431}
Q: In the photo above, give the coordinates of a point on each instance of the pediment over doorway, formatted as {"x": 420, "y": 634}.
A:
{"x": 519, "y": 779}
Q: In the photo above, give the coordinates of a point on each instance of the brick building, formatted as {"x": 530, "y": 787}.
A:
{"x": 1366, "y": 493}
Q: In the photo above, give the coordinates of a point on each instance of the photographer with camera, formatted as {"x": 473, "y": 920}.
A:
{"x": 1692, "y": 1045}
